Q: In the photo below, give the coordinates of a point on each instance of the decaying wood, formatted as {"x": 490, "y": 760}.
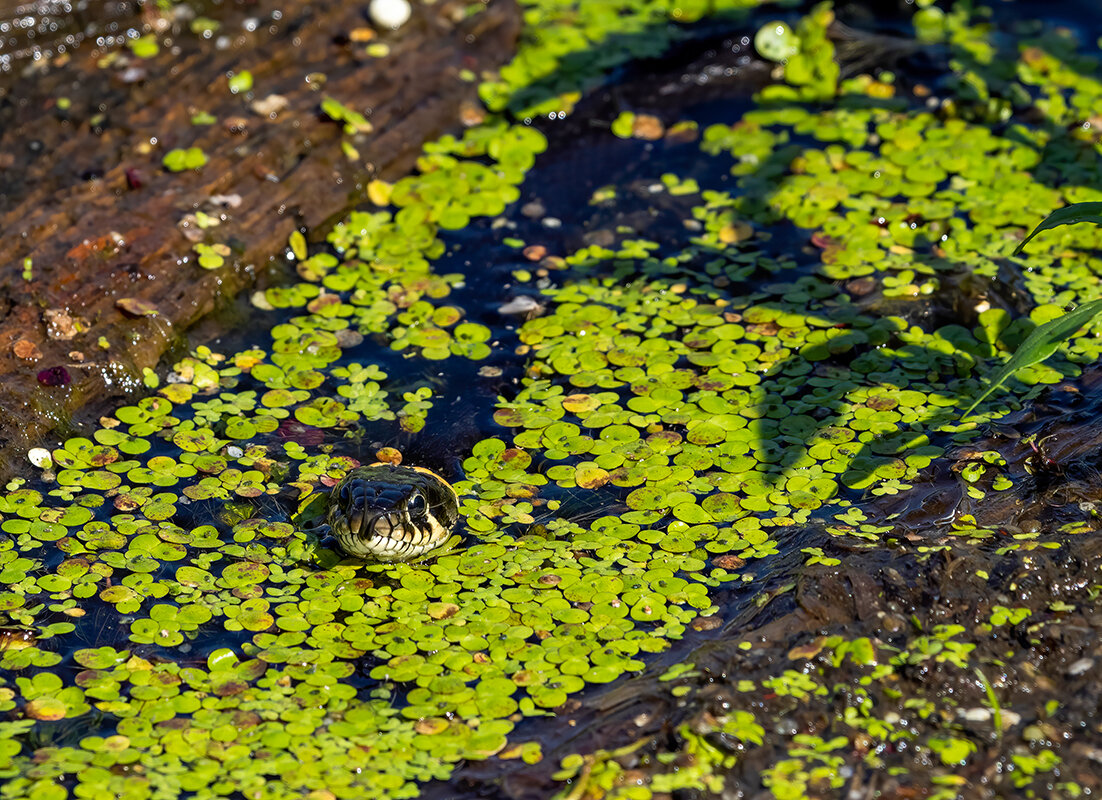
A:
{"x": 84, "y": 197}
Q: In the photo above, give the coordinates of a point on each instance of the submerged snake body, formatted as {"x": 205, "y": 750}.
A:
{"x": 383, "y": 512}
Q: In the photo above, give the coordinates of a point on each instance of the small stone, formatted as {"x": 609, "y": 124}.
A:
{"x": 391, "y": 14}
{"x": 225, "y": 200}
{"x": 975, "y": 714}
{"x": 40, "y": 457}
{"x": 237, "y": 126}
{"x": 533, "y": 210}
{"x": 520, "y": 305}
{"x": 1079, "y": 667}
{"x": 270, "y": 106}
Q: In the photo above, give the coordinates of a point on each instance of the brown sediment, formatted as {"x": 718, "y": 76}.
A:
{"x": 84, "y": 195}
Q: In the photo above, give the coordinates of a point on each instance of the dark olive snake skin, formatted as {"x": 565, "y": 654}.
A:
{"x": 384, "y": 512}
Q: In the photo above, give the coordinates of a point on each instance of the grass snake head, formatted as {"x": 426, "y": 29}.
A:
{"x": 383, "y": 512}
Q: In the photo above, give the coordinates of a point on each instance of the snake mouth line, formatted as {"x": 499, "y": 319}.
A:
{"x": 387, "y": 513}
{"x": 392, "y": 536}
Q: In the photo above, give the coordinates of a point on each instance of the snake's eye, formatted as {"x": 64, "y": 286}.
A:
{"x": 416, "y": 506}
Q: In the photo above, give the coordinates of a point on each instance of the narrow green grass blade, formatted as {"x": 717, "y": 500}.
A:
{"x": 1042, "y": 343}
{"x": 1069, "y": 215}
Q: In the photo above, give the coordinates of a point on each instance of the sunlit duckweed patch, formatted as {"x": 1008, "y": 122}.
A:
{"x": 690, "y": 403}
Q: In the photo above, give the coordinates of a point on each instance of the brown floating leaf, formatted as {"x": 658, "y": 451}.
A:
{"x": 706, "y": 623}
{"x": 729, "y": 562}
{"x": 389, "y": 455}
{"x": 646, "y": 126}
{"x": 136, "y": 307}
{"x": 591, "y": 477}
{"x": 809, "y": 650}
{"x": 429, "y": 726}
{"x": 442, "y": 610}
{"x": 49, "y": 709}
{"x": 26, "y": 350}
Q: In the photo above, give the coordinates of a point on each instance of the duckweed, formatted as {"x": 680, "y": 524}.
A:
{"x": 688, "y": 406}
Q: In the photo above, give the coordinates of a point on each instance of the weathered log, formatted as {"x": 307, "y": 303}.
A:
{"x": 89, "y": 216}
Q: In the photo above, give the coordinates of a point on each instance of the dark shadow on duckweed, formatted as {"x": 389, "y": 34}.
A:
{"x": 950, "y": 301}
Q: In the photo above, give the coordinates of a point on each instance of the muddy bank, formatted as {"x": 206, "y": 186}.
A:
{"x": 98, "y": 270}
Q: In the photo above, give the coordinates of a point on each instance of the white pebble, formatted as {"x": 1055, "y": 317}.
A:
{"x": 40, "y": 457}
{"x": 391, "y": 14}
{"x": 974, "y": 714}
{"x": 1080, "y": 666}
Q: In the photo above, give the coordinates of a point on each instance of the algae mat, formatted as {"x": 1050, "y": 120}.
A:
{"x": 687, "y": 364}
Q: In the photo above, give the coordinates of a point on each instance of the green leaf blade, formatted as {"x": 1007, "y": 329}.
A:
{"x": 1042, "y": 343}
{"x": 1069, "y": 215}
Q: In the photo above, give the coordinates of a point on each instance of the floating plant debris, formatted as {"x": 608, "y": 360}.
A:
{"x": 55, "y": 376}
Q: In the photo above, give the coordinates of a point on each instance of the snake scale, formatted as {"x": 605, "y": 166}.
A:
{"x": 385, "y": 512}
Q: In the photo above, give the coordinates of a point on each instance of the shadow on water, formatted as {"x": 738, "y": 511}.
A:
{"x": 956, "y": 302}
{"x": 788, "y": 597}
